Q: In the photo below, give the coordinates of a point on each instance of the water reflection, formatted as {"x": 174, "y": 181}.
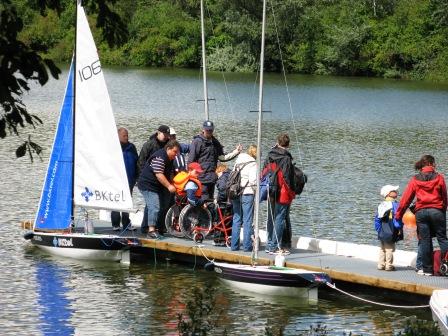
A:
{"x": 53, "y": 299}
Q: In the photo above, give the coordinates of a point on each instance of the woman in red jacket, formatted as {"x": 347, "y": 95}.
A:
{"x": 429, "y": 189}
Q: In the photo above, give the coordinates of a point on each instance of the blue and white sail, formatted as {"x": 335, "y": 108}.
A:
{"x": 100, "y": 175}
{"x": 55, "y": 207}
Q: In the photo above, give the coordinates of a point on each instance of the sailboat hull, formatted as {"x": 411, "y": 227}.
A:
{"x": 81, "y": 246}
{"x": 279, "y": 281}
{"x": 439, "y": 309}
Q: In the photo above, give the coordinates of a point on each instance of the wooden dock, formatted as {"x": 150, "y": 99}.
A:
{"x": 339, "y": 268}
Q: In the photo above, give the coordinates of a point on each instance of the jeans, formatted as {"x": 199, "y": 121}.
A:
{"x": 243, "y": 213}
{"x": 431, "y": 221}
{"x": 276, "y": 224}
{"x": 152, "y": 209}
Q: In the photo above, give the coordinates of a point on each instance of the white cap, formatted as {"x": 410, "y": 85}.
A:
{"x": 172, "y": 131}
{"x": 387, "y": 189}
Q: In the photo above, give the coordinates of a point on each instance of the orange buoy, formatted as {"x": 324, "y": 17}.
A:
{"x": 409, "y": 219}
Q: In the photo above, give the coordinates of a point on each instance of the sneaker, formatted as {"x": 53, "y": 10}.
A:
{"x": 130, "y": 228}
{"x": 116, "y": 228}
{"x": 421, "y": 272}
{"x": 381, "y": 267}
{"x": 282, "y": 252}
{"x": 390, "y": 268}
{"x": 153, "y": 235}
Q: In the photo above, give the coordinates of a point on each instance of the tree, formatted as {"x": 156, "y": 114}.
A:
{"x": 22, "y": 63}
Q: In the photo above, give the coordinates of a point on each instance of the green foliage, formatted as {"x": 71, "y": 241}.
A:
{"x": 415, "y": 327}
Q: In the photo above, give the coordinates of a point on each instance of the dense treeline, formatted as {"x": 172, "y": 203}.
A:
{"x": 386, "y": 38}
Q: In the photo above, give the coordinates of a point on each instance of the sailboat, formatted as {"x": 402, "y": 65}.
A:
{"x": 86, "y": 167}
{"x": 270, "y": 280}
{"x": 439, "y": 309}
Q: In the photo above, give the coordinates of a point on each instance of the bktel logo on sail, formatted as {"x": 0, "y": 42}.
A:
{"x": 102, "y": 195}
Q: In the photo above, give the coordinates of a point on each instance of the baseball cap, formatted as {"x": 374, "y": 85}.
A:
{"x": 208, "y": 125}
{"x": 196, "y": 166}
{"x": 172, "y": 131}
{"x": 164, "y": 129}
{"x": 385, "y": 190}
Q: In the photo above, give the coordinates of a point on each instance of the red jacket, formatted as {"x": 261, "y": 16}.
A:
{"x": 428, "y": 188}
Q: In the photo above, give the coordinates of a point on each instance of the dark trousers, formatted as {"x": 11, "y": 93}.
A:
{"x": 208, "y": 191}
{"x": 431, "y": 221}
{"x": 116, "y": 217}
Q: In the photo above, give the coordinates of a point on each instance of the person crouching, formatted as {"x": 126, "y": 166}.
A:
{"x": 187, "y": 183}
{"x": 389, "y": 229}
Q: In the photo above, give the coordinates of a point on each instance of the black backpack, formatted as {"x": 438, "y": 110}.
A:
{"x": 299, "y": 180}
{"x": 233, "y": 185}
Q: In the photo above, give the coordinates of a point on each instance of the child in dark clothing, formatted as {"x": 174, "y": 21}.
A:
{"x": 223, "y": 174}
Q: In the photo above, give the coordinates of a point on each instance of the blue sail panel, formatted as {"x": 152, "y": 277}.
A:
{"x": 55, "y": 208}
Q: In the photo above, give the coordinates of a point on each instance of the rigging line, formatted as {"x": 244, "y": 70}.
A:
{"x": 229, "y": 100}
{"x": 310, "y": 210}
{"x": 333, "y": 286}
{"x": 200, "y": 249}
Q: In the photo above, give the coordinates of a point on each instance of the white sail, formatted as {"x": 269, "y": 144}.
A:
{"x": 100, "y": 177}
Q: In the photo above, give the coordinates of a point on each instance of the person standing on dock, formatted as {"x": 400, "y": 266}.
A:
{"x": 155, "y": 186}
{"x": 281, "y": 194}
{"x": 389, "y": 229}
{"x": 429, "y": 189}
{"x": 156, "y": 141}
{"x": 130, "y": 158}
{"x": 207, "y": 150}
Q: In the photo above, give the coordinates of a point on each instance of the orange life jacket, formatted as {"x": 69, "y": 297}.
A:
{"x": 181, "y": 179}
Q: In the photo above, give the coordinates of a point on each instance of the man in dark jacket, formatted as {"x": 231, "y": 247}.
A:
{"x": 279, "y": 165}
{"x": 156, "y": 141}
{"x": 130, "y": 157}
{"x": 155, "y": 185}
{"x": 207, "y": 150}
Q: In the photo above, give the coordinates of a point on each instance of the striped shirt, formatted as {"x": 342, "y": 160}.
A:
{"x": 158, "y": 165}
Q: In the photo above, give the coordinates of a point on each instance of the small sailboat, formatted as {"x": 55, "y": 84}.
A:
{"x": 86, "y": 167}
{"x": 439, "y": 308}
{"x": 270, "y": 280}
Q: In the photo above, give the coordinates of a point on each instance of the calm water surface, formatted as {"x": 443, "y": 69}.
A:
{"x": 350, "y": 135}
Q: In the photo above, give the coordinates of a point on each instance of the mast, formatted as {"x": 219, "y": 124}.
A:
{"x": 204, "y": 68}
{"x": 260, "y": 119}
{"x": 78, "y": 2}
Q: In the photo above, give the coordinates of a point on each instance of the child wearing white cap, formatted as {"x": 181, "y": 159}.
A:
{"x": 388, "y": 228}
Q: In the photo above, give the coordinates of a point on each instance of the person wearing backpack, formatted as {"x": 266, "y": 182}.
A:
{"x": 241, "y": 191}
{"x": 281, "y": 193}
{"x": 388, "y": 228}
{"x": 429, "y": 189}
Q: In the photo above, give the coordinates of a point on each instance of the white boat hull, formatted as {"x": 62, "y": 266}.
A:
{"x": 439, "y": 308}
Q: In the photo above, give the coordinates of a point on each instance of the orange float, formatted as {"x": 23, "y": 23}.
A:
{"x": 409, "y": 219}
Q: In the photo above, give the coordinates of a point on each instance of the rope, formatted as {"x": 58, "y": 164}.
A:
{"x": 296, "y": 137}
{"x": 373, "y": 302}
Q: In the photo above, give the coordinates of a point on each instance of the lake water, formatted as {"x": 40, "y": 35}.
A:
{"x": 350, "y": 136}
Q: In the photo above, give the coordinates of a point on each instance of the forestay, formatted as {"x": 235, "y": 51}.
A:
{"x": 100, "y": 176}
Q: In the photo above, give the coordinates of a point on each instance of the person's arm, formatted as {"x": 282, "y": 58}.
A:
{"x": 443, "y": 190}
{"x": 406, "y": 199}
{"x": 193, "y": 153}
{"x": 143, "y": 157}
{"x": 377, "y": 222}
{"x": 158, "y": 166}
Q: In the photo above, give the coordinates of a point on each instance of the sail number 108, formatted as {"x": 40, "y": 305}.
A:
{"x": 90, "y": 70}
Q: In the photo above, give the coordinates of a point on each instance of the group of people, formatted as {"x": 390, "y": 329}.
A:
{"x": 426, "y": 196}
{"x": 165, "y": 167}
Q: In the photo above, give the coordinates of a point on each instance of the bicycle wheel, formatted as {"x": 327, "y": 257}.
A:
{"x": 172, "y": 223}
{"x": 194, "y": 220}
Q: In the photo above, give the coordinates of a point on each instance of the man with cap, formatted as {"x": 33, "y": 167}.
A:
{"x": 207, "y": 150}
{"x": 156, "y": 141}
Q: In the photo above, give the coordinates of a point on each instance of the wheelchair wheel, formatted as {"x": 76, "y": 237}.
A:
{"x": 194, "y": 220}
{"x": 172, "y": 223}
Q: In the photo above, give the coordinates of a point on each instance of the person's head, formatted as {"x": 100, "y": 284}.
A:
{"x": 194, "y": 169}
{"x": 123, "y": 135}
{"x": 390, "y": 191}
{"x": 221, "y": 168}
{"x": 425, "y": 160}
{"x": 252, "y": 151}
{"x": 172, "y": 134}
{"x": 208, "y": 128}
{"x": 163, "y": 133}
{"x": 172, "y": 148}
{"x": 283, "y": 140}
